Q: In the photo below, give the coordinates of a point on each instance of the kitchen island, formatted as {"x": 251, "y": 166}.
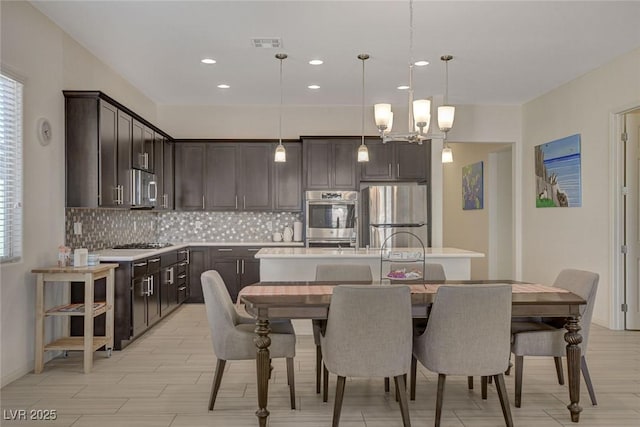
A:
{"x": 299, "y": 264}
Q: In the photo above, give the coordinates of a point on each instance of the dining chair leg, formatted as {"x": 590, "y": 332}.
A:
{"x": 337, "y": 406}
{"x": 508, "y": 371}
{"x": 414, "y": 368}
{"x": 386, "y": 384}
{"x": 504, "y": 399}
{"x": 490, "y": 380}
{"x": 470, "y": 382}
{"x": 217, "y": 380}
{"x": 291, "y": 382}
{"x": 439, "y": 398}
{"x": 519, "y": 363}
{"x": 483, "y": 386}
{"x": 587, "y": 380}
{"x": 401, "y": 385}
{"x": 325, "y": 384}
{"x": 318, "y": 367}
{"x": 558, "y": 361}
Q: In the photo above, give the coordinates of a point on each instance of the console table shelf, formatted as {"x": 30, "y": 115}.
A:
{"x": 87, "y": 343}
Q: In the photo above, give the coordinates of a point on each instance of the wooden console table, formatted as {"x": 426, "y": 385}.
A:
{"x": 87, "y": 343}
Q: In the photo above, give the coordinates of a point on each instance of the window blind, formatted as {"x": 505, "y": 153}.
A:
{"x": 10, "y": 169}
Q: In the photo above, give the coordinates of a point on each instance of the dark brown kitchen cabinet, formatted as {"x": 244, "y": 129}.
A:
{"x": 287, "y": 182}
{"x": 224, "y": 176}
{"x": 396, "y": 161}
{"x": 330, "y": 163}
{"x": 163, "y": 170}
{"x": 198, "y": 264}
{"x": 146, "y": 292}
{"x": 190, "y": 176}
{"x": 237, "y": 266}
{"x": 98, "y": 152}
{"x": 143, "y": 139}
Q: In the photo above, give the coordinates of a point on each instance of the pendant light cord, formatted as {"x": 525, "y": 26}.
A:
{"x": 280, "y": 109}
{"x": 363, "y": 59}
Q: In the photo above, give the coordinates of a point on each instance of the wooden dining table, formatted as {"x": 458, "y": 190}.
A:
{"x": 310, "y": 300}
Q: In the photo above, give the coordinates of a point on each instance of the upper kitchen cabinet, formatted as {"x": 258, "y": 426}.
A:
{"x": 100, "y": 135}
{"x": 143, "y": 145}
{"x": 224, "y": 176}
{"x": 396, "y": 161}
{"x": 287, "y": 180}
{"x": 330, "y": 163}
{"x": 163, "y": 168}
{"x": 98, "y": 152}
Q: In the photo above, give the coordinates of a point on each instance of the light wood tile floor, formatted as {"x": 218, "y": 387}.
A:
{"x": 164, "y": 378}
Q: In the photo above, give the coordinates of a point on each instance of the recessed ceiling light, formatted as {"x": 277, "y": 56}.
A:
{"x": 403, "y": 87}
{"x": 208, "y": 61}
{"x": 224, "y": 86}
{"x": 313, "y": 87}
{"x": 316, "y": 62}
{"x": 421, "y": 63}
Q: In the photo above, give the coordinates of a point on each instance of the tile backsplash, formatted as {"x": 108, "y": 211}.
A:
{"x": 222, "y": 226}
{"x": 104, "y": 228}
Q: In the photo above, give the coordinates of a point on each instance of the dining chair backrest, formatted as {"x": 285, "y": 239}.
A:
{"x": 369, "y": 331}
{"x": 469, "y": 330}
{"x": 221, "y": 313}
{"x": 343, "y": 272}
{"x": 584, "y": 284}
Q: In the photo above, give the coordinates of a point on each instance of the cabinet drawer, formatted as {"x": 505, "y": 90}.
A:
{"x": 224, "y": 252}
{"x": 153, "y": 265}
{"x": 182, "y": 267}
{"x": 140, "y": 268}
{"x": 168, "y": 259}
{"x": 183, "y": 255}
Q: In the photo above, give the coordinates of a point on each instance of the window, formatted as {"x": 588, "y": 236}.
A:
{"x": 10, "y": 169}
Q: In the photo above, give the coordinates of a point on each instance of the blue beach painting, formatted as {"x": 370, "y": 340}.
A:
{"x": 558, "y": 173}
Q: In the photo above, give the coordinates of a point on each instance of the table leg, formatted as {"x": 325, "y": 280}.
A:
{"x": 263, "y": 365}
{"x": 109, "y": 316}
{"x": 39, "y": 356}
{"x": 573, "y": 339}
{"x": 88, "y": 322}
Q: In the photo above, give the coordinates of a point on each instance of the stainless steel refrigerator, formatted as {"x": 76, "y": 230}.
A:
{"x": 388, "y": 209}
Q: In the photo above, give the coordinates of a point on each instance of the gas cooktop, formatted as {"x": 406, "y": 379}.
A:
{"x": 144, "y": 245}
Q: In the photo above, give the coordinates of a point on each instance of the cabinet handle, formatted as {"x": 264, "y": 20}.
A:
{"x": 389, "y": 169}
{"x": 244, "y": 202}
{"x": 145, "y": 282}
{"x": 155, "y": 191}
{"x": 140, "y": 264}
{"x": 154, "y": 260}
{"x": 182, "y": 276}
{"x": 203, "y": 202}
{"x": 116, "y": 194}
{"x": 253, "y": 249}
{"x": 182, "y": 264}
{"x": 145, "y": 156}
{"x": 237, "y": 266}
{"x": 242, "y": 266}
{"x": 236, "y": 201}
{"x": 182, "y": 288}
{"x": 225, "y": 249}
{"x": 169, "y": 277}
{"x": 398, "y": 170}
{"x": 165, "y": 201}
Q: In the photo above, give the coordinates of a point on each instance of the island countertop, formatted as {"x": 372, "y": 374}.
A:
{"x": 275, "y": 252}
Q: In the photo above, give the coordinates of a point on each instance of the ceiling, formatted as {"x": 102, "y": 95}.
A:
{"x": 504, "y": 52}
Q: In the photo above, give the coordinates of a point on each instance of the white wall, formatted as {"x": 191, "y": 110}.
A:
{"x": 47, "y": 61}
{"x": 557, "y": 238}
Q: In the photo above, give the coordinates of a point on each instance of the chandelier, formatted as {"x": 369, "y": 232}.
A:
{"x": 363, "y": 152}
{"x": 419, "y": 112}
{"x": 280, "y": 155}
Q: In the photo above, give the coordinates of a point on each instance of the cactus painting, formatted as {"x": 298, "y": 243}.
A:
{"x": 558, "y": 179}
{"x": 472, "y": 183}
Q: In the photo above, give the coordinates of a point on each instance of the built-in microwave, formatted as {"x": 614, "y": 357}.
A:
{"x": 331, "y": 218}
{"x": 144, "y": 189}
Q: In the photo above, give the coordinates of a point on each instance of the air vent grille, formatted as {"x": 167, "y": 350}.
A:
{"x": 266, "y": 42}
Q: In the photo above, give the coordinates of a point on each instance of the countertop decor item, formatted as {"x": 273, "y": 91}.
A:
{"x": 287, "y": 234}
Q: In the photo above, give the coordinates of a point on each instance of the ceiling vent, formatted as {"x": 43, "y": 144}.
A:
{"x": 266, "y": 42}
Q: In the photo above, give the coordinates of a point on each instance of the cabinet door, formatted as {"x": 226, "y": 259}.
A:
{"x": 198, "y": 264}
{"x": 168, "y": 175}
{"x": 229, "y": 270}
{"x": 411, "y": 161}
{"x": 153, "y": 299}
{"x": 158, "y": 170}
{"x": 254, "y": 177}
{"x": 220, "y": 177}
{"x": 108, "y": 154}
{"x": 148, "y": 148}
{"x": 317, "y": 163}
{"x": 139, "y": 305}
{"x": 344, "y": 165}
{"x": 190, "y": 176}
{"x": 249, "y": 272}
{"x": 137, "y": 144}
{"x": 125, "y": 140}
{"x": 378, "y": 168}
{"x": 288, "y": 180}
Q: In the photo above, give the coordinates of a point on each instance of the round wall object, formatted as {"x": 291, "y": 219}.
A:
{"x": 44, "y": 131}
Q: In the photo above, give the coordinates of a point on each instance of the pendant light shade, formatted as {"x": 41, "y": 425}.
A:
{"x": 363, "y": 151}
{"x": 446, "y": 114}
{"x": 280, "y": 154}
{"x": 447, "y": 154}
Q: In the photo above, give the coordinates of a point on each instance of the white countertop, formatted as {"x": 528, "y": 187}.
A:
{"x": 135, "y": 254}
{"x": 273, "y": 253}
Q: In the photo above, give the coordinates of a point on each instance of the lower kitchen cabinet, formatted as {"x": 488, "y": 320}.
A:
{"x": 146, "y": 293}
{"x": 198, "y": 264}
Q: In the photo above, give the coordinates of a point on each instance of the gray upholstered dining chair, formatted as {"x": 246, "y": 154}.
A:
{"x": 232, "y": 335}
{"x": 467, "y": 334}
{"x": 546, "y": 338}
{"x": 334, "y": 273}
{"x": 368, "y": 334}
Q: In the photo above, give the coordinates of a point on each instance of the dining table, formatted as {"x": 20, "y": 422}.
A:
{"x": 267, "y": 301}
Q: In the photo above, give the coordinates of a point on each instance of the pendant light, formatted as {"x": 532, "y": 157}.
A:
{"x": 363, "y": 151}
{"x": 280, "y": 154}
{"x": 446, "y": 113}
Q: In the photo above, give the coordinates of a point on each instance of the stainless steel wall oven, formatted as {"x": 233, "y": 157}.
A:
{"x": 331, "y": 218}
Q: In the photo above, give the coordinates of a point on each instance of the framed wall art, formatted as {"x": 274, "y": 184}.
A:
{"x": 558, "y": 173}
{"x": 472, "y": 187}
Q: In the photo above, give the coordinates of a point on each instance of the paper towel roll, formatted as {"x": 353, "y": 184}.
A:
{"x": 297, "y": 231}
